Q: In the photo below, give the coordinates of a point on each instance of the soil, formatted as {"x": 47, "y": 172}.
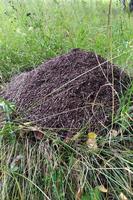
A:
{"x": 72, "y": 91}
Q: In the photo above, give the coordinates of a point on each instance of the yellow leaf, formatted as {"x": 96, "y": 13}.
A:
{"x": 122, "y": 196}
{"x": 91, "y": 141}
{"x": 102, "y": 188}
{"x": 92, "y": 135}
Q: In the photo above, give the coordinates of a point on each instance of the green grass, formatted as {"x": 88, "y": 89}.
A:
{"x": 54, "y": 28}
{"x": 31, "y": 32}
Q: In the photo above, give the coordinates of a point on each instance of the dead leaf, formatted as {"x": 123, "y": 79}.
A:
{"x": 79, "y": 194}
{"x": 102, "y": 188}
{"x": 38, "y": 135}
{"x": 25, "y": 129}
{"x": 67, "y": 139}
{"x": 92, "y": 144}
{"x": 122, "y": 196}
{"x": 113, "y": 133}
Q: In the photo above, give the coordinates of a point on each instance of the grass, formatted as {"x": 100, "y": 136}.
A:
{"x": 31, "y": 32}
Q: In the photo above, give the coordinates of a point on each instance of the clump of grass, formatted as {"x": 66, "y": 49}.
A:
{"x": 125, "y": 113}
{"x": 52, "y": 169}
{"x": 7, "y": 127}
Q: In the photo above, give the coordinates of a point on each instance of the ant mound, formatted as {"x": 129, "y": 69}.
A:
{"x": 72, "y": 91}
